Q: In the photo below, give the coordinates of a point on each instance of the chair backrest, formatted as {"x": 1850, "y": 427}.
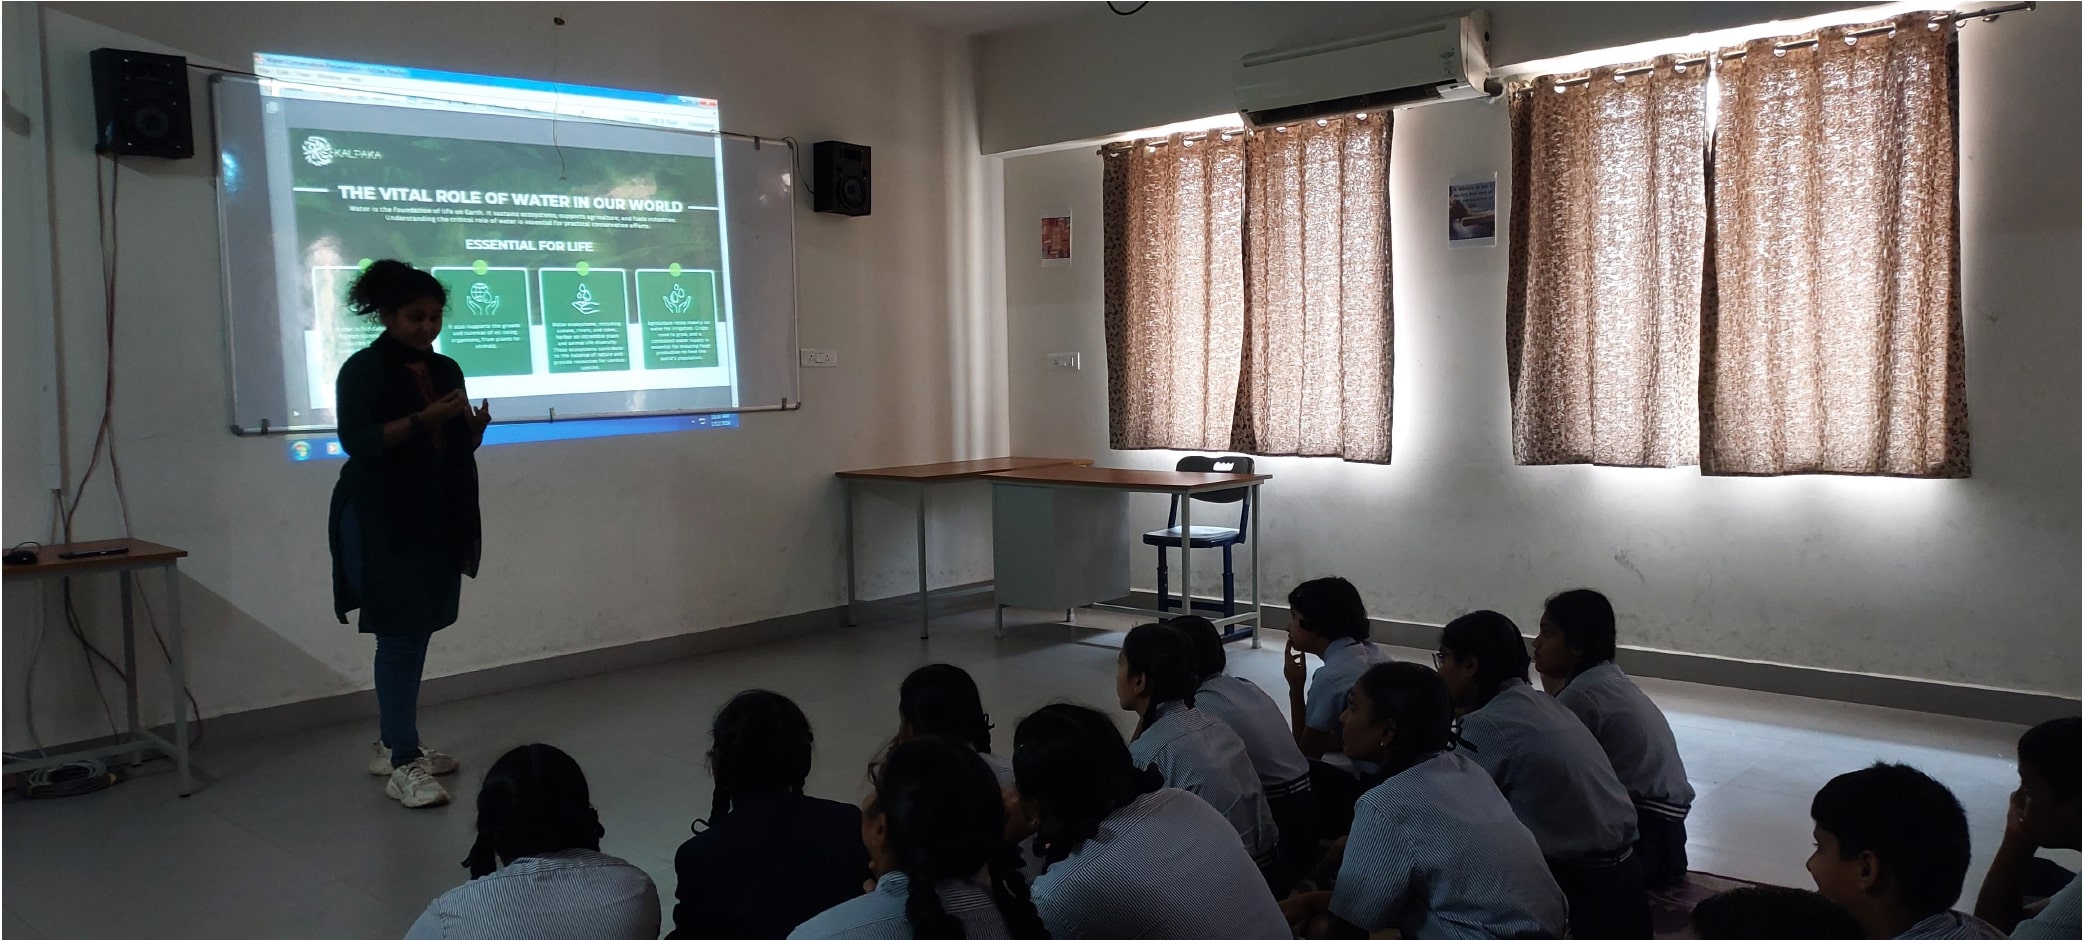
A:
{"x": 1232, "y": 463}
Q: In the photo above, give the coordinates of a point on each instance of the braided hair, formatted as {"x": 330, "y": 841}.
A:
{"x": 941, "y": 700}
{"x": 1163, "y": 657}
{"x": 760, "y": 743}
{"x": 1071, "y": 762}
{"x": 1414, "y": 700}
{"x": 533, "y": 802}
{"x": 946, "y": 821}
{"x": 387, "y": 285}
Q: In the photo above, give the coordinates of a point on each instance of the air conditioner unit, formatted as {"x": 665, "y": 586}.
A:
{"x": 1444, "y": 60}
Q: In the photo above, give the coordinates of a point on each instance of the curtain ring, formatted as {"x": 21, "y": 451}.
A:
{"x": 1620, "y": 79}
{"x": 1323, "y": 122}
{"x": 1779, "y": 53}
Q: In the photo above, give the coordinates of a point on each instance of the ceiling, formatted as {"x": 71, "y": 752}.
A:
{"x": 971, "y": 17}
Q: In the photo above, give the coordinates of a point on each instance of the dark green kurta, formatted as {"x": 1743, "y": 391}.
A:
{"x": 414, "y": 504}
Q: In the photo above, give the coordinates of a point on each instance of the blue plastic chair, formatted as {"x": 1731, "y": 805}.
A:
{"x": 1205, "y": 536}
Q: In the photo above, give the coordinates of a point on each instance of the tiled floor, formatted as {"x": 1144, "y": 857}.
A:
{"x": 296, "y": 841}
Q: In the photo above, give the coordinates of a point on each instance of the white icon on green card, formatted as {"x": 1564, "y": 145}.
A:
{"x": 584, "y": 303}
{"x": 481, "y": 300}
{"x": 679, "y": 300}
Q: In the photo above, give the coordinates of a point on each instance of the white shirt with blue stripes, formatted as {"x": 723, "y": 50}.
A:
{"x": 1258, "y": 722}
{"x": 1635, "y": 735}
{"x": 880, "y": 914}
{"x": 1201, "y": 755}
{"x": 558, "y": 894}
{"x": 1437, "y": 852}
{"x": 1553, "y": 772}
{"x": 1164, "y": 866}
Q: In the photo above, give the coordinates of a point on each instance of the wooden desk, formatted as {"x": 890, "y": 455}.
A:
{"x": 921, "y": 476}
{"x": 1167, "y": 482}
{"x": 141, "y": 555}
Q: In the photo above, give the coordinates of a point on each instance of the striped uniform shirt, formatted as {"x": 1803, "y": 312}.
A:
{"x": 1953, "y": 925}
{"x": 1161, "y": 867}
{"x": 1437, "y": 852}
{"x": 1201, "y": 755}
{"x": 2057, "y": 920}
{"x": 1345, "y": 660}
{"x": 1258, "y": 722}
{"x": 558, "y": 894}
{"x": 880, "y": 915}
{"x": 1001, "y": 767}
{"x": 1637, "y": 739}
{"x": 1553, "y": 773}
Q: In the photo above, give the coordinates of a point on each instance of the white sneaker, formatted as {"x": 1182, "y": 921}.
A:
{"x": 438, "y": 763}
{"x": 414, "y": 787}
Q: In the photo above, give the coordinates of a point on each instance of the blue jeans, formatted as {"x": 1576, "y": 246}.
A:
{"x": 399, "y": 662}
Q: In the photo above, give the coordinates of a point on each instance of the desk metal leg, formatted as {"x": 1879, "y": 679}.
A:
{"x": 130, "y": 707}
{"x": 846, "y": 508}
{"x": 1000, "y": 614}
{"x": 924, "y": 609}
{"x": 1186, "y": 554}
{"x": 179, "y": 655}
{"x": 1258, "y": 602}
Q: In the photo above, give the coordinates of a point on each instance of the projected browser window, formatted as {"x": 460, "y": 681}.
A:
{"x": 580, "y": 231}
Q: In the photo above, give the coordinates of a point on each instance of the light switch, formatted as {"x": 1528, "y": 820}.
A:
{"x": 1066, "y": 361}
{"x": 820, "y": 358}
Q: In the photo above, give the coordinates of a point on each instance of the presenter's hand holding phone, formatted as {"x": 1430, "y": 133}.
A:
{"x": 448, "y": 406}
{"x": 482, "y": 415}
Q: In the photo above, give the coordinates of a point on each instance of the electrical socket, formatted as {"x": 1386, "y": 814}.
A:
{"x": 1066, "y": 361}
{"x": 820, "y": 358}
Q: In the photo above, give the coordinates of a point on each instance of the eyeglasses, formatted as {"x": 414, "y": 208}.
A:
{"x": 1439, "y": 661}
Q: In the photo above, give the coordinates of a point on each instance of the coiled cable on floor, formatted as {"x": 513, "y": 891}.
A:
{"x": 74, "y": 779}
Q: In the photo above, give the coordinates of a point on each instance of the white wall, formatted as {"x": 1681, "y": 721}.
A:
{"x": 667, "y": 534}
{"x": 1971, "y": 581}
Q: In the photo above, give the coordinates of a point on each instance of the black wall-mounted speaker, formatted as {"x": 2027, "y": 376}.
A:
{"x": 141, "y": 104}
{"x": 841, "y": 170}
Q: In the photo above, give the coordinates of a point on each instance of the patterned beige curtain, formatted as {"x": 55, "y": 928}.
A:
{"x": 1175, "y": 291}
{"x": 1609, "y": 222}
{"x": 1317, "y": 375}
{"x": 1835, "y": 341}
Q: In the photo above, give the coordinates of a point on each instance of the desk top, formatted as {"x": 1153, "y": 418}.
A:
{"x": 1147, "y": 481}
{"x": 960, "y": 469}
{"x": 49, "y": 565}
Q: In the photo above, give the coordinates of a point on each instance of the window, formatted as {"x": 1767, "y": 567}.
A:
{"x": 1248, "y": 291}
{"x": 1782, "y": 297}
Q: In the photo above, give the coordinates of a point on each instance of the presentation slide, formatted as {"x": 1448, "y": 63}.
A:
{"x": 581, "y": 232}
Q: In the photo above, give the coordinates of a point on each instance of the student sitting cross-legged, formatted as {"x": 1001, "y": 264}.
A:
{"x": 537, "y": 870}
{"x": 1283, "y": 771}
{"x": 934, "y": 831}
{"x": 1126, "y": 856}
{"x": 1892, "y": 848}
{"x": 1435, "y": 849}
{"x": 1553, "y": 773}
{"x": 1328, "y": 620}
{"x": 768, "y": 857}
{"x": 1576, "y": 647}
{"x": 1155, "y": 678}
{"x": 2044, "y": 815}
{"x": 940, "y": 700}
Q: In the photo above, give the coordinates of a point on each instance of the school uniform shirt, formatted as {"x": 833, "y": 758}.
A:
{"x": 1553, "y": 773}
{"x": 1164, "y": 866}
{"x": 557, "y": 894}
{"x": 880, "y": 914}
{"x": 2058, "y": 920}
{"x": 1202, "y": 756}
{"x": 1952, "y": 925}
{"x": 1001, "y": 767}
{"x": 774, "y": 861}
{"x": 1345, "y": 659}
{"x": 1258, "y": 722}
{"x": 1436, "y": 852}
{"x": 1636, "y": 737}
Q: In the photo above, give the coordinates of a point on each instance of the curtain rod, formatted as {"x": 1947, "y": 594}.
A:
{"x": 1123, "y": 146}
{"x": 1986, "y": 14}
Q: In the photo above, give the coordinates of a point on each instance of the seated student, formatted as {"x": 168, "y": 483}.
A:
{"x": 768, "y": 858}
{"x": 1328, "y": 620}
{"x": 1552, "y": 772}
{"x": 536, "y": 869}
{"x": 1284, "y": 774}
{"x": 941, "y": 700}
{"x": 934, "y": 825}
{"x": 1892, "y": 848}
{"x": 1155, "y": 678}
{"x": 1765, "y": 912}
{"x": 1576, "y": 646}
{"x": 1127, "y": 858}
{"x": 1435, "y": 850}
{"x": 2044, "y": 815}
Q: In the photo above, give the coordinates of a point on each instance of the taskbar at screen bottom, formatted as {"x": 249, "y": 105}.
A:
{"x": 303, "y": 449}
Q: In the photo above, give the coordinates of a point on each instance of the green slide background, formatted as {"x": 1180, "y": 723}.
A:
{"x": 494, "y": 343}
{"x": 583, "y": 342}
{"x": 678, "y": 340}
